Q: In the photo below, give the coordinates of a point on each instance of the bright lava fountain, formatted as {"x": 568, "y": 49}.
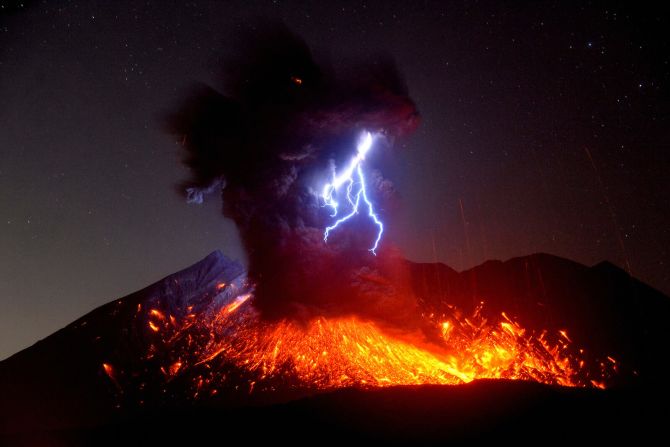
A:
{"x": 229, "y": 346}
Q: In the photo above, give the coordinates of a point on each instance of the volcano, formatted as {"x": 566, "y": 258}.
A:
{"x": 534, "y": 339}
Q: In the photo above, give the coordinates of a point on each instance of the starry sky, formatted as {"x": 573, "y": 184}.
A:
{"x": 544, "y": 129}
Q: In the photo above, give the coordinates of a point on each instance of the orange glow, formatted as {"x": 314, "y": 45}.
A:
{"x": 237, "y": 302}
{"x": 329, "y": 353}
{"x": 110, "y": 373}
{"x": 174, "y": 368}
{"x": 108, "y": 370}
{"x": 296, "y": 81}
{"x": 597, "y": 384}
{"x": 564, "y": 334}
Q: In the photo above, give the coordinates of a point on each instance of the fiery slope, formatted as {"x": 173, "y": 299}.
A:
{"x": 229, "y": 345}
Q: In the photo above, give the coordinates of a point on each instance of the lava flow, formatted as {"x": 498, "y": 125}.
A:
{"x": 232, "y": 346}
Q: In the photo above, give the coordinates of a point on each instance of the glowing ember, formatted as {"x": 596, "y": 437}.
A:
{"x": 331, "y": 353}
{"x": 237, "y": 302}
{"x": 156, "y": 313}
{"x": 174, "y": 368}
{"x": 108, "y": 370}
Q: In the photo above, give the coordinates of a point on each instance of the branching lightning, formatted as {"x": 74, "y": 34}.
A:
{"x": 355, "y": 188}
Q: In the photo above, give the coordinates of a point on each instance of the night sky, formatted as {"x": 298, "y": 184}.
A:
{"x": 544, "y": 129}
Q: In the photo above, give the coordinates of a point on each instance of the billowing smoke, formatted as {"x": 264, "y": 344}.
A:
{"x": 267, "y": 139}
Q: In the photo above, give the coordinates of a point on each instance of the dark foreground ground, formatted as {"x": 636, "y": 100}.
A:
{"x": 497, "y": 412}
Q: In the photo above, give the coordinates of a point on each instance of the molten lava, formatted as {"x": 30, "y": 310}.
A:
{"x": 328, "y": 353}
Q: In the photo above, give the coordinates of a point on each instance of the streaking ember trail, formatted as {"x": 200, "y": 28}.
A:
{"x": 354, "y": 181}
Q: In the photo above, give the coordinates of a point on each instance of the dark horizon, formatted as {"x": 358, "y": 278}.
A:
{"x": 544, "y": 129}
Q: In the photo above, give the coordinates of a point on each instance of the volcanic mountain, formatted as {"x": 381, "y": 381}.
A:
{"x": 145, "y": 367}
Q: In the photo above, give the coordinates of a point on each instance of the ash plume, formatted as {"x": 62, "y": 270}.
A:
{"x": 266, "y": 139}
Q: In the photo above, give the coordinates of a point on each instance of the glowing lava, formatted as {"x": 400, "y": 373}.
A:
{"x": 223, "y": 344}
{"x": 355, "y": 188}
{"x": 330, "y": 353}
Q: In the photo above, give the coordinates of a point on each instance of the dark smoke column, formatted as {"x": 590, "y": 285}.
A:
{"x": 268, "y": 144}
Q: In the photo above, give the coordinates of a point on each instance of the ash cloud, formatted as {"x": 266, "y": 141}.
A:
{"x": 265, "y": 139}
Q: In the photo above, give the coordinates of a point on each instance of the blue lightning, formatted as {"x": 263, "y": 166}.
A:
{"x": 355, "y": 180}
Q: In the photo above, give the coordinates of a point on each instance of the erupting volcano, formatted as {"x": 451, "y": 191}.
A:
{"x": 324, "y": 313}
{"x": 192, "y": 351}
{"x": 327, "y": 305}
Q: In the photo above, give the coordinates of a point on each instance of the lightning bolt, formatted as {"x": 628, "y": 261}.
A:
{"x": 353, "y": 179}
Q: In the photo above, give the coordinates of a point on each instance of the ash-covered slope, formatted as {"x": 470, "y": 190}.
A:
{"x": 60, "y": 382}
{"x": 59, "y": 388}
